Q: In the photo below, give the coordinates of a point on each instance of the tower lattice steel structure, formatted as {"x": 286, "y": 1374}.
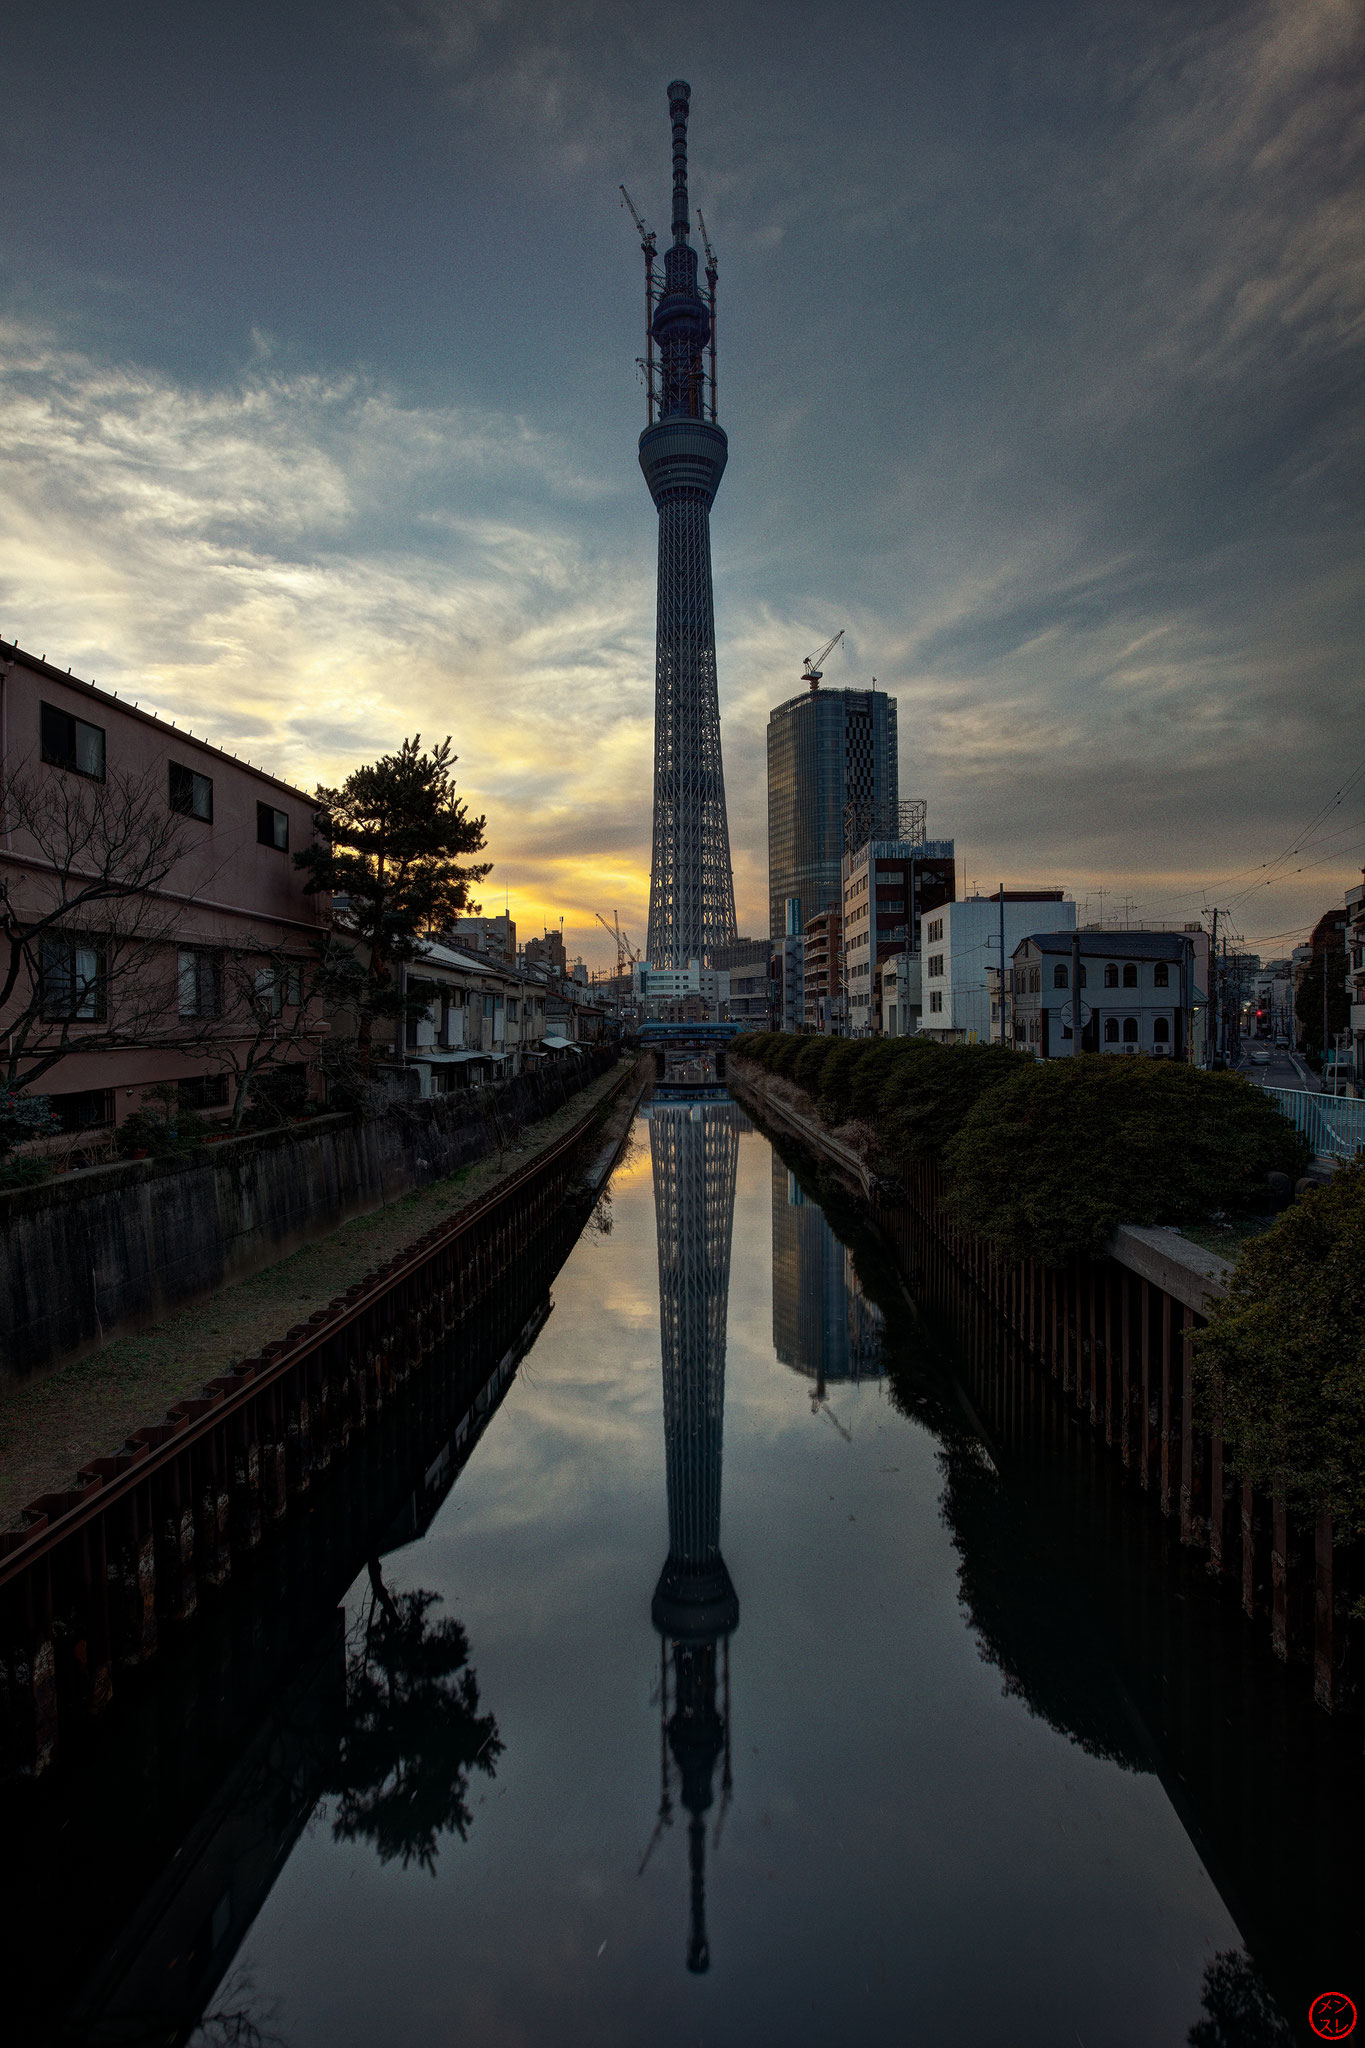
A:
{"x": 695, "y": 1151}
{"x": 683, "y": 453}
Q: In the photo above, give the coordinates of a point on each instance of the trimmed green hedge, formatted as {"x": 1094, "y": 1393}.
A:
{"x": 1046, "y": 1159}
{"x": 1052, "y": 1160}
{"x": 1281, "y": 1366}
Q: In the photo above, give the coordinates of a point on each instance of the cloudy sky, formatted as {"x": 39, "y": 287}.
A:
{"x": 1041, "y": 364}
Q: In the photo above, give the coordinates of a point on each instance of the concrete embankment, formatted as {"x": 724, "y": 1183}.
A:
{"x": 53, "y": 1422}
{"x": 95, "y": 1255}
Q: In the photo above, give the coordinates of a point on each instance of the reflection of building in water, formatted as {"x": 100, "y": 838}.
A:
{"x": 695, "y": 1148}
{"x": 824, "y": 1326}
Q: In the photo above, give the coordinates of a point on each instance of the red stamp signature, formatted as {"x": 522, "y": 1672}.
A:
{"x": 1332, "y": 2015}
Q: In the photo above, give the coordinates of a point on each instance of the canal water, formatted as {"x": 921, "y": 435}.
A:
{"x": 716, "y": 1702}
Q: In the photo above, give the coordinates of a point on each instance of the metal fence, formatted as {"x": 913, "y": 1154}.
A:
{"x": 1333, "y": 1126}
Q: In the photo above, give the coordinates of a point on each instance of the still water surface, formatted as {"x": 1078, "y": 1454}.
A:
{"x": 699, "y": 1740}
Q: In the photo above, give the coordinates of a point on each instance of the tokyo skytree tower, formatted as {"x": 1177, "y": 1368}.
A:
{"x": 682, "y": 454}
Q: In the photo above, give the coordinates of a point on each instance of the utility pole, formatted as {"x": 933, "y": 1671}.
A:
{"x": 1002, "y": 963}
{"x": 1217, "y": 1005}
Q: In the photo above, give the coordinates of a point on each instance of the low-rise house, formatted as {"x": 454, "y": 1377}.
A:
{"x": 157, "y": 931}
{"x": 1140, "y": 992}
{"x": 960, "y": 942}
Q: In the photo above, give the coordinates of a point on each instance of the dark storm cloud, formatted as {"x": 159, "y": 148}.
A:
{"x": 1040, "y": 361}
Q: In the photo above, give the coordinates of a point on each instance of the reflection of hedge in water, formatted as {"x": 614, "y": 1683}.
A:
{"x": 1029, "y": 1619}
{"x": 1238, "y": 2010}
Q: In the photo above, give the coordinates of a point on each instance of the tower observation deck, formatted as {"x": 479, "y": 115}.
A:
{"x": 683, "y": 453}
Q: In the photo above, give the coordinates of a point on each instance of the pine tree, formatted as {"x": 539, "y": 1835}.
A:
{"x": 388, "y": 851}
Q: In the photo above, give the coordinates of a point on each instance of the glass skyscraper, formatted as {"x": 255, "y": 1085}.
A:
{"x": 826, "y": 750}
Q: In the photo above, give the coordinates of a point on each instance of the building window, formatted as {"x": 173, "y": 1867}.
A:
{"x": 935, "y": 965}
{"x": 70, "y": 743}
{"x": 936, "y": 1000}
{"x": 200, "y": 984}
{"x": 1111, "y": 976}
{"x": 1130, "y": 1031}
{"x": 513, "y": 1013}
{"x": 203, "y": 1091}
{"x": 1035, "y": 981}
{"x": 1130, "y": 978}
{"x": 191, "y": 794}
{"x": 86, "y": 1110}
{"x": 1111, "y": 1030}
{"x": 935, "y": 931}
{"x": 278, "y": 987}
{"x": 1060, "y": 978}
{"x": 1161, "y": 975}
{"x": 1161, "y": 1031}
{"x": 1081, "y": 982}
{"x": 272, "y": 827}
{"x": 73, "y": 981}
{"x": 488, "y": 1006}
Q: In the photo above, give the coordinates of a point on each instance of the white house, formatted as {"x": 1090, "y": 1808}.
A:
{"x": 1140, "y": 992}
{"x": 960, "y": 941}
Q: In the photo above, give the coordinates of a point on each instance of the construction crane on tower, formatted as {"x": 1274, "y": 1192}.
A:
{"x": 712, "y": 273}
{"x": 814, "y": 669}
{"x": 648, "y": 248}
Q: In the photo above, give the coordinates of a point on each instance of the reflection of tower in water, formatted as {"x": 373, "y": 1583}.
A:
{"x": 695, "y": 1148}
{"x": 824, "y": 1326}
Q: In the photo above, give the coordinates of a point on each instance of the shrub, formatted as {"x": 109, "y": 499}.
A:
{"x": 1050, "y": 1160}
{"x": 24, "y": 1118}
{"x": 22, "y": 1173}
{"x": 161, "y": 1127}
{"x": 1281, "y": 1365}
{"x": 809, "y": 1063}
{"x": 929, "y": 1093}
{"x": 835, "y": 1102}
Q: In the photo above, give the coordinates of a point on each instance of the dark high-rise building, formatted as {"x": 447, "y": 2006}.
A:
{"x": 695, "y": 1151}
{"x": 827, "y": 750}
{"x": 683, "y": 453}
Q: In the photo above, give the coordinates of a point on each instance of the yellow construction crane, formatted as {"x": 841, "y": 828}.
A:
{"x": 813, "y": 669}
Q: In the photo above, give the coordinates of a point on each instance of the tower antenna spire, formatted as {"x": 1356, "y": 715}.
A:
{"x": 679, "y": 100}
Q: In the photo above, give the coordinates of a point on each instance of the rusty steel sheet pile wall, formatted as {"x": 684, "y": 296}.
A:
{"x": 1119, "y": 1347}
{"x": 100, "y": 1570}
{"x": 93, "y": 1255}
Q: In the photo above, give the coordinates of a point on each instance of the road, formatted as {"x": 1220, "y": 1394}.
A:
{"x": 1277, "y": 1070}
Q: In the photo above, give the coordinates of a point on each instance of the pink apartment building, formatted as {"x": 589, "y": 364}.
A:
{"x": 154, "y": 923}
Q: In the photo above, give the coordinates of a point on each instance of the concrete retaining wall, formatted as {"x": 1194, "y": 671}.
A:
{"x": 94, "y": 1255}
